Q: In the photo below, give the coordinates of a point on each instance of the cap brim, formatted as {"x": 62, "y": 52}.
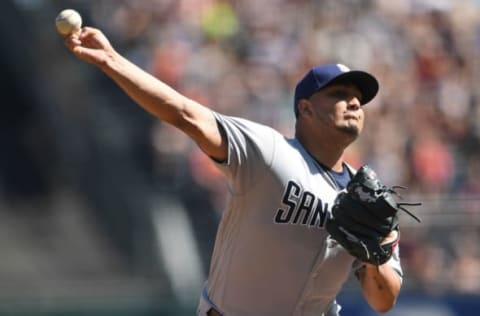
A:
{"x": 365, "y": 82}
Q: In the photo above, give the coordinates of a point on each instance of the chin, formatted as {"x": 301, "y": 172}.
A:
{"x": 351, "y": 130}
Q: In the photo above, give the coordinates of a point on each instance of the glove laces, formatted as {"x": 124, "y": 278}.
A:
{"x": 402, "y": 205}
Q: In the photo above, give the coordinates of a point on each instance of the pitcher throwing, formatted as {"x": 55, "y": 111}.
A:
{"x": 273, "y": 254}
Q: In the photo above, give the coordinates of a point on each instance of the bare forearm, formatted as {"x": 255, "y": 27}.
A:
{"x": 197, "y": 121}
{"x": 167, "y": 104}
{"x": 147, "y": 91}
{"x": 380, "y": 286}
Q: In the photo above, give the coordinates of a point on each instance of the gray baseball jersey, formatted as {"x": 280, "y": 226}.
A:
{"x": 272, "y": 255}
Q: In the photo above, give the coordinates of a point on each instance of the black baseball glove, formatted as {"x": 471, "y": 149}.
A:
{"x": 364, "y": 218}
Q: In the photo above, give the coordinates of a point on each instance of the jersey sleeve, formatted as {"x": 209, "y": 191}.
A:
{"x": 251, "y": 148}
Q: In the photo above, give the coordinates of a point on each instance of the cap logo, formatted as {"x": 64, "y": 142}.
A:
{"x": 343, "y": 68}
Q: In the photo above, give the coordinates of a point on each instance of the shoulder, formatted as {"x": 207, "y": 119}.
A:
{"x": 244, "y": 132}
{"x": 242, "y": 123}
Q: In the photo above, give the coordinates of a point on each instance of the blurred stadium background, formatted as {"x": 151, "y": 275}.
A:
{"x": 106, "y": 211}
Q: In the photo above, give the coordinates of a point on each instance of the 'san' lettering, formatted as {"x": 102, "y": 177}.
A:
{"x": 320, "y": 214}
{"x": 305, "y": 205}
{"x": 302, "y": 208}
{"x": 292, "y": 191}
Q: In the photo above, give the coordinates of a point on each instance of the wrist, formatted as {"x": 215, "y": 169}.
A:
{"x": 372, "y": 267}
{"x": 112, "y": 61}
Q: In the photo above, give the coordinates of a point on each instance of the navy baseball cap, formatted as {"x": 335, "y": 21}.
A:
{"x": 321, "y": 76}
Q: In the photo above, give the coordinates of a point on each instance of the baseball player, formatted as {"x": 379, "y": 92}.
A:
{"x": 273, "y": 254}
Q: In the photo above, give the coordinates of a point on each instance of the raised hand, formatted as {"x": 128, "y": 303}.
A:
{"x": 90, "y": 45}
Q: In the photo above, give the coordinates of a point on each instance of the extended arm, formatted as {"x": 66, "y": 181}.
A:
{"x": 154, "y": 96}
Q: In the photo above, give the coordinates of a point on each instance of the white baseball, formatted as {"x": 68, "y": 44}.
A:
{"x": 68, "y": 21}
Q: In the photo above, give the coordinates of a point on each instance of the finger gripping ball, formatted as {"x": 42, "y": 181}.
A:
{"x": 68, "y": 21}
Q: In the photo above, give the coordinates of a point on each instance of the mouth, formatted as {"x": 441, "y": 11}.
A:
{"x": 350, "y": 116}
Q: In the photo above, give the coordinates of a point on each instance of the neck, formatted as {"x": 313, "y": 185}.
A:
{"x": 329, "y": 152}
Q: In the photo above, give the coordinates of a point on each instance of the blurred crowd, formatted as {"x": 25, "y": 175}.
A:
{"x": 243, "y": 58}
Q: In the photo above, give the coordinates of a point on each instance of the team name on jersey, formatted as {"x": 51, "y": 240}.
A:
{"x": 301, "y": 208}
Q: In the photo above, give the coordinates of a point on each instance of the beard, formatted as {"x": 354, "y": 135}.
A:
{"x": 352, "y": 130}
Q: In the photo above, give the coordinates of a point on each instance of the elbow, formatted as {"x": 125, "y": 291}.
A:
{"x": 383, "y": 309}
{"x": 383, "y": 306}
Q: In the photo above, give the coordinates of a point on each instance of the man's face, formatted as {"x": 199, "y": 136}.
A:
{"x": 338, "y": 106}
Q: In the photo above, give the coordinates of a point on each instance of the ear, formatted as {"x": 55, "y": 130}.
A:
{"x": 304, "y": 108}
